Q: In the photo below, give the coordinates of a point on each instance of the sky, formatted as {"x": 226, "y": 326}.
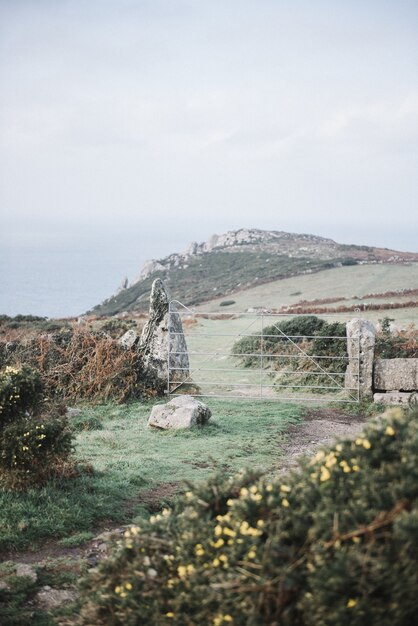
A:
{"x": 129, "y": 128}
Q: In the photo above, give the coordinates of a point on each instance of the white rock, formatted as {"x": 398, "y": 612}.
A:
{"x": 180, "y": 412}
{"x": 129, "y": 339}
{"x": 50, "y": 599}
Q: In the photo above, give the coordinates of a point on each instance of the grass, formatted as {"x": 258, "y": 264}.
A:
{"x": 351, "y": 282}
{"x": 209, "y": 275}
{"x": 131, "y": 460}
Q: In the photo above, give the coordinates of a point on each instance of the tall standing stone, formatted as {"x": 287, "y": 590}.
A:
{"x": 360, "y": 348}
{"x": 163, "y": 333}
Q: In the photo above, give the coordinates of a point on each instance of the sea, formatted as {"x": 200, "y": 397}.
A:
{"x": 63, "y": 281}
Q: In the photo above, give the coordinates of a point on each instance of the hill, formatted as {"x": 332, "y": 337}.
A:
{"x": 239, "y": 260}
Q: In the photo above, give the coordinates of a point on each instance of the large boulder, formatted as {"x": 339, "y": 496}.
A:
{"x": 180, "y": 412}
{"x": 163, "y": 335}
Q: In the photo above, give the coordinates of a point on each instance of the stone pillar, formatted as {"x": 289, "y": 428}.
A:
{"x": 360, "y": 347}
{"x": 162, "y": 328}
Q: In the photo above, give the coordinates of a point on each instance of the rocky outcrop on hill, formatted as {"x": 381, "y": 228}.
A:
{"x": 240, "y": 259}
{"x": 234, "y": 240}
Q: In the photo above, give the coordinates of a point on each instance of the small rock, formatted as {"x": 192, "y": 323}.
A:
{"x": 129, "y": 339}
{"x": 22, "y": 569}
{"x": 180, "y": 412}
{"x": 49, "y": 599}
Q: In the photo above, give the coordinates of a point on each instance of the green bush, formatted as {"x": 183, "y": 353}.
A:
{"x": 31, "y": 446}
{"x": 20, "y": 392}
{"x": 28, "y": 444}
{"x": 305, "y": 337}
{"x": 275, "y": 336}
{"x": 334, "y": 542}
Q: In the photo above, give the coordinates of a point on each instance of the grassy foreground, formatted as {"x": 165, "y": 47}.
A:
{"x": 130, "y": 461}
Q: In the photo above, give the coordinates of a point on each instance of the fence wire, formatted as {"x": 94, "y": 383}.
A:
{"x": 217, "y": 370}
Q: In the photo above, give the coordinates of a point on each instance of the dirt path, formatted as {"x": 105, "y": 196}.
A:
{"x": 319, "y": 427}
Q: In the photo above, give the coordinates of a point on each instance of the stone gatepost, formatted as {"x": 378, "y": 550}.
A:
{"x": 360, "y": 347}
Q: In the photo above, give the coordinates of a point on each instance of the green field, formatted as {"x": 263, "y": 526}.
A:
{"x": 131, "y": 462}
{"x": 352, "y": 282}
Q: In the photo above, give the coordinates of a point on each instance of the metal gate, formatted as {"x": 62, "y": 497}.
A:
{"x": 247, "y": 355}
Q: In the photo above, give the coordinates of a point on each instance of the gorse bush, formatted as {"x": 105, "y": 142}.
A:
{"x": 20, "y": 391}
{"x": 335, "y": 542}
{"x": 31, "y": 446}
{"x": 28, "y": 444}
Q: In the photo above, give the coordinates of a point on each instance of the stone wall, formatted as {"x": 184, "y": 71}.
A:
{"x": 387, "y": 381}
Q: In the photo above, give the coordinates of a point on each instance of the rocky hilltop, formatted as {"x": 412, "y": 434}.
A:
{"x": 252, "y": 240}
{"x": 240, "y": 259}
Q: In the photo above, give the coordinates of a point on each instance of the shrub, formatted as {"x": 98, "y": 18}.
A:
{"x": 81, "y": 364}
{"x": 31, "y": 447}
{"x": 335, "y": 542}
{"x": 306, "y": 337}
{"x": 397, "y": 344}
{"x": 34, "y": 450}
{"x": 117, "y": 327}
{"x": 226, "y": 302}
{"x": 20, "y": 391}
{"x": 275, "y": 336}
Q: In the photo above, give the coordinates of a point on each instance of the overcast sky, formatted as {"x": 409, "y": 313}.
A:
{"x": 152, "y": 123}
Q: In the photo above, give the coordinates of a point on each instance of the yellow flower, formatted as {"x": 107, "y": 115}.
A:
{"x": 251, "y": 554}
{"x": 217, "y": 531}
{"x": 351, "y": 603}
{"x": 325, "y": 474}
{"x": 199, "y": 549}
{"x": 218, "y": 619}
{"x": 230, "y": 502}
{"x": 285, "y": 488}
{"x": 389, "y": 431}
{"x": 169, "y": 614}
{"x": 219, "y": 543}
{"x": 216, "y": 562}
{"x": 128, "y": 586}
{"x": 285, "y": 502}
{"x": 269, "y": 488}
{"x": 244, "y": 492}
{"x": 229, "y": 532}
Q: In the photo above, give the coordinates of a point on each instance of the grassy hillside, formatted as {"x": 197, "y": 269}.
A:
{"x": 243, "y": 259}
{"x": 351, "y": 282}
{"x": 206, "y": 276}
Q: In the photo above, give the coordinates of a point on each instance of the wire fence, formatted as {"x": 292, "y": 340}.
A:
{"x": 278, "y": 366}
